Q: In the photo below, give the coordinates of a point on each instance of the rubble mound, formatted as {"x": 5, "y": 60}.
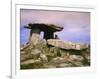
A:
{"x": 54, "y": 53}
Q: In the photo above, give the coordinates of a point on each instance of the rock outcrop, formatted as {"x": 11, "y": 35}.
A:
{"x": 51, "y": 52}
{"x": 54, "y": 53}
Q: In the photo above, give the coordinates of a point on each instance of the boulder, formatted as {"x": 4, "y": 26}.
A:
{"x": 24, "y": 57}
{"x": 44, "y": 58}
{"x": 76, "y": 58}
{"x": 35, "y": 53}
{"x": 30, "y": 61}
{"x": 66, "y": 45}
{"x": 54, "y": 51}
{"x": 42, "y": 45}
{"x": 44, "y": 27}
{"x": 32, "y": 64}
{"x": 57, "y": 60}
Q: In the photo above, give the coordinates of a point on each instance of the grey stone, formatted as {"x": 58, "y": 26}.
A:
{"x": 44, "y": 58}
{"x": 66, "y": 45}
{"x": 35, "y": 53}
{"x": 76, "y": 58}
{"x": 24, "y": 57}
{"x": 31, "y": 61}
{"x": 35, "y": 39}
{"x": 56, "y": 60}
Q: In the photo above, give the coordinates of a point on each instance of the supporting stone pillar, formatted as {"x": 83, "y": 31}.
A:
{"x": 34, "y": 36}
{"x": 48, "y": 30}
{"x": 48, "y": 35}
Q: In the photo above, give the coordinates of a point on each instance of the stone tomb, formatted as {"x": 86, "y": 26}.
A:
{"x": 48, "y": 30}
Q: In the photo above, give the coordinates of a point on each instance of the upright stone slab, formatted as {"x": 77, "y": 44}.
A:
{"x": 35, "y": 36}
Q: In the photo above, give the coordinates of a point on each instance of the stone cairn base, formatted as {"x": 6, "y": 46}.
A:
{"x": 54, "y": 53}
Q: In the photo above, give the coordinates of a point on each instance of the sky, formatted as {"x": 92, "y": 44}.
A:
{"x": 76, "y": 24}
